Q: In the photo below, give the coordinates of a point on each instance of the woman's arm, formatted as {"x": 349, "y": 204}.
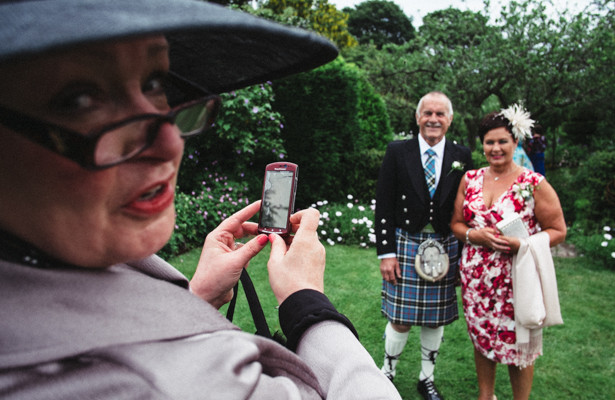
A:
{"x": 458, "y": 223}
{"x": 549, "y": 214}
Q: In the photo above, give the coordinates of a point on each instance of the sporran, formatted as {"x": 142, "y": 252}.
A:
{"x": 431, "y": 262}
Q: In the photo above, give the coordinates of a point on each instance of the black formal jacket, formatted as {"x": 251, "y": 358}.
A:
{"x": 402, "y": 197}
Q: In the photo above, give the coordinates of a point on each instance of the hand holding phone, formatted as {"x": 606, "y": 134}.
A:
{"x": 278, "y": 199}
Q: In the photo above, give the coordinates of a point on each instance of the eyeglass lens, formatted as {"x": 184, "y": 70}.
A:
{"x": 129, "y": 139}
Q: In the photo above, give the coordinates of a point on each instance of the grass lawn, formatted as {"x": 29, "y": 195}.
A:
{"x": 579, "y": 356}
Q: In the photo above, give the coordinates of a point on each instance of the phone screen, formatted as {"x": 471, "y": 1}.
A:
{"x": 276, "y": 198}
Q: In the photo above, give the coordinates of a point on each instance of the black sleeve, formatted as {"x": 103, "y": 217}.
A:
{"x": 303, "y": 309}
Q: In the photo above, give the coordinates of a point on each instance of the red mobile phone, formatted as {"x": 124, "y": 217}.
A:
{"x": 278, "y": 201}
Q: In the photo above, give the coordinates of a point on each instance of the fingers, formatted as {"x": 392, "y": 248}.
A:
{"x": 239, "y": 219}
{"x": 390, "y": 270}
{"x": 246, "y": 251}
{"x": 278, "y": 247}
{"x": 307, "y": 220}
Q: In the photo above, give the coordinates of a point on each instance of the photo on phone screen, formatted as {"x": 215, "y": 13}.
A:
{"x": 278, "y": 199}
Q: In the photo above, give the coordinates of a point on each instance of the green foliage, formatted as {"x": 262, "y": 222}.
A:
{"x": 596, "y": 244}
{"x": 199, "y": 211}
{"x": 560, "y": 66}
{"x": 333, "y": 116}
{"x": 478, "y": 158}
{"x": 351, "y": 223}
{"x": 379, "y": 22}
{"x": 590, "y": 184}
{"x": 316, "y": 15}
{"x": 247, "y": 136}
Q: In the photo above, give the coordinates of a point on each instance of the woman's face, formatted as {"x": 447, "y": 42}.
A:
{"x": 499, "y": 147}
{"x": 89, "y": 218}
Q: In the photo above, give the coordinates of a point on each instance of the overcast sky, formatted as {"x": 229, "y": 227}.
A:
{"x": 417, "y": 9}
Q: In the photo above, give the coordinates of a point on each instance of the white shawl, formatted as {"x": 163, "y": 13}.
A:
{"x": 534, "y": 294}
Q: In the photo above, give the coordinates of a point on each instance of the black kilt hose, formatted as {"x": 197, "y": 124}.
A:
{"x": 415, "y": 301}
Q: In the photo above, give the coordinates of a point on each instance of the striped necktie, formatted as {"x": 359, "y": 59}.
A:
{"x": 430, "y": 171}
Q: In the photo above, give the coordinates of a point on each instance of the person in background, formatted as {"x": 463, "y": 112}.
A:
{"x": 485, "y": 197}
{"x": 414, "y": 202}
{"x": 535, "y": 148}
{"x": 520, "y": 157}
{"x": 96, "y": 100}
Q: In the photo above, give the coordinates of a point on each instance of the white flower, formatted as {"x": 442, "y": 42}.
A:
{"x": 349, "y": 197}
{"x": 323, "y": 232}
{"x": 363, "y": 244}
{"x": 604, "y": 244}
{"x": 325, "y": 215}
{"x": 361, "y": 208}
{"x": 330, "y": 241}
{"x": 373, "y": 201}
{"x": 320, "y": 203}
{"x": 338, "y": 213}
{"x": 354, "y": 221}
{"x": 613, "y": 254}
{"x": 457, "y": 166}
{"x": 335, "y": 230}
{"x": 520, "y": 120}
{"x": 349, "y": 205}
{"x": 339, "y": 238}
{"x": 321, "y": 222}
{"x": 607, "y": 228}
{"x": 608, "y": 236}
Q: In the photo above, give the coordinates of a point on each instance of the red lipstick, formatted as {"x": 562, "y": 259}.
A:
{"x": 153, "y": 200}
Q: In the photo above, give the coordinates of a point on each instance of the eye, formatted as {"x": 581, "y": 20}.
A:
{"x": 75, "y": 98}
{"x": 156, "y": 84}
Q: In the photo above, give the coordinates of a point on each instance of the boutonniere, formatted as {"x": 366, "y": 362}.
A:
{"x": 457, "y": 166}
{"x": 523, "y": 190}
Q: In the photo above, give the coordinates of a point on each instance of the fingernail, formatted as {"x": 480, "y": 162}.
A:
{"x": 271, "y": 237}
{"x": 262, "y": 240}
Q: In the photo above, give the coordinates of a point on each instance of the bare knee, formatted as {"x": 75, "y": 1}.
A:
{"x": 400, "y": 328}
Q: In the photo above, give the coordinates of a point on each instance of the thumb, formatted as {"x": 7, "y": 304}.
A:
{"x": 278, "y": 247}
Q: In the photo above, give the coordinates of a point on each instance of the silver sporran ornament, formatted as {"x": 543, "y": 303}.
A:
{"x": 431, "y": 262}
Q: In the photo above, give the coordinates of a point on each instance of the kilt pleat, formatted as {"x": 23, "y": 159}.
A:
{"x": 415, "y": 301}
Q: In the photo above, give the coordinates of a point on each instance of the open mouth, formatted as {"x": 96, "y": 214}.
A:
{"x": 153, "y": 201}
{"x": 152, "y": 193}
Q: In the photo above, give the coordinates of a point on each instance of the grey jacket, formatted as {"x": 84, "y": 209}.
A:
{"x": 136, "y": 332}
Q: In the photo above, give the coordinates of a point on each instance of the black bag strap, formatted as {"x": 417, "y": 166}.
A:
{"x": 256, "y": 309}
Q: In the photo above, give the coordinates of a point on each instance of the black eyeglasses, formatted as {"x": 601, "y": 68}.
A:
{"x": 122, "y": 140}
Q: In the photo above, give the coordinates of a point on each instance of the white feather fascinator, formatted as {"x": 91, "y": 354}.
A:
{"x": 520, "y": 120}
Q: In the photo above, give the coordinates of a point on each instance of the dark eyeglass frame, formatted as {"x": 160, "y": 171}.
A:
{"x": 80, "y": 147}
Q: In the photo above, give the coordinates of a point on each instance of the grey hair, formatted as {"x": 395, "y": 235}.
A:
{"x": 435, "y": 93}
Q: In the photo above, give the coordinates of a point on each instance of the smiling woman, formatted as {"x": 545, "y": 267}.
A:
{"x": 94, "y": 111}
{"x": 485, "y": 197}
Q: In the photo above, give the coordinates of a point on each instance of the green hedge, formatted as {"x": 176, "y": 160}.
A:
{"x": 333, "y": 119}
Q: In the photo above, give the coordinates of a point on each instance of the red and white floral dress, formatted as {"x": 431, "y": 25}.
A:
{"x": 486, "y": 274}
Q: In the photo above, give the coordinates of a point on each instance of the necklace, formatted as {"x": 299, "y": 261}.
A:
{"x": 497, "y": 178}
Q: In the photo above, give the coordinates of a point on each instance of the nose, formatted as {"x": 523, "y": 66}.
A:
{"x": 167, "y": 143}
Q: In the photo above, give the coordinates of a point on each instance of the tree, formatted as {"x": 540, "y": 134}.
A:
{"x": 554, "y": 65}
{"x": 317, "y": 15}
{"x": 379, "y": 22}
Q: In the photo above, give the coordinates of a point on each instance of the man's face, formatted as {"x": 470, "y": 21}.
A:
{"x": 434, "y": 118}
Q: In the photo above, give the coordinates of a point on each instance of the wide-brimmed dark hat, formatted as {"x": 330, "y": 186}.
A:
{"x": 220, "y": 49}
